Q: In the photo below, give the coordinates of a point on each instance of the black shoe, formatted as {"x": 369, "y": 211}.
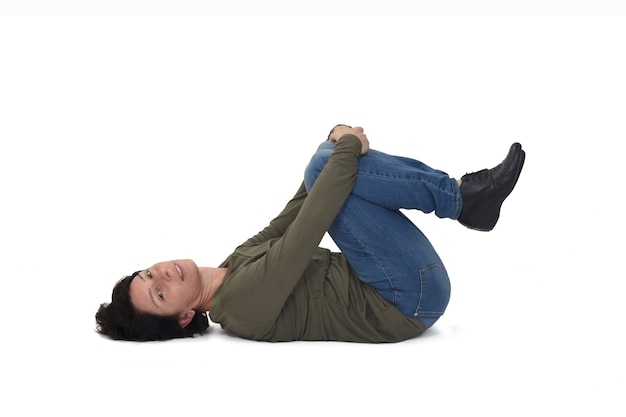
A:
{"x": 483, "y": 192}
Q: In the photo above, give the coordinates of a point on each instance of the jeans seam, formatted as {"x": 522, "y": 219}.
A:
{"x": 444, "y": 191}
{"x": 370, "y": 253}
{"x": 419, "y": 302}
{"x": 407, "y": 178}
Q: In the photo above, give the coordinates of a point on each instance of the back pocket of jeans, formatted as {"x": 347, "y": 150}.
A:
{"x": 435, "y": 291}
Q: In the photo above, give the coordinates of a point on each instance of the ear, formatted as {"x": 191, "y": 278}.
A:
{"x": 185, "y": 318}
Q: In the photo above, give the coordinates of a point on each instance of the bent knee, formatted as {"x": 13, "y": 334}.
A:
{"x": 315, "y": 167}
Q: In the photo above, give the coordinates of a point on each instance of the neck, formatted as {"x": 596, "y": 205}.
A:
{"x": 211, "y": 278}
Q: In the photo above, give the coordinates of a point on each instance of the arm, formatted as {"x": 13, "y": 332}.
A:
{"x": 278, "y": 226}
{"x": 259, "y": 290}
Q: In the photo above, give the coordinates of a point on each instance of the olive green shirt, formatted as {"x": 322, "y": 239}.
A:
{"x": 281, "y": 286}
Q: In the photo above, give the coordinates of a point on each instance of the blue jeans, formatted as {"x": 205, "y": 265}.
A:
{"x": 384, "y": 248}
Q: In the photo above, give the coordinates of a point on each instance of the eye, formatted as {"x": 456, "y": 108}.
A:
{"x": 160, "y": 294}
{"x": 149, "y": 274}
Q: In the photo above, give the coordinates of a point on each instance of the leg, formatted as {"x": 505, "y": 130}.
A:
{"x": 384, "y": 248}
{"x": 395, "y": 182}
{"x": 388, "y": 252}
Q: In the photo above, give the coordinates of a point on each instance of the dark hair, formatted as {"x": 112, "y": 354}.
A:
{"x": 119, "y": 319}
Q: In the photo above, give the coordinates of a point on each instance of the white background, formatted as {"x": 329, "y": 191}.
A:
{"x": 127, "y": 139}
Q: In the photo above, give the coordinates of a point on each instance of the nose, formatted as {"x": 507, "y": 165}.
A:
{"x": 164, "y": 275}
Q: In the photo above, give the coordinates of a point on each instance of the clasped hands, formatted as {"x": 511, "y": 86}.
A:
{"x": 340, "y": 130}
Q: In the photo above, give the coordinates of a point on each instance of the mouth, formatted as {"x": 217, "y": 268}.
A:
{"x": 180, "y": 272}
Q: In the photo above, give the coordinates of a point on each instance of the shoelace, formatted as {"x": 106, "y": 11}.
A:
{"x": 478, "y": 175}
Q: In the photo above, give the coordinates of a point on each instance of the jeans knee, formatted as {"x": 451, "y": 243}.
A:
{"x": 315, "y": 166}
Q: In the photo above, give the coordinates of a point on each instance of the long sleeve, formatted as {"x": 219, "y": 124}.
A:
{"x": 277, "y": 257}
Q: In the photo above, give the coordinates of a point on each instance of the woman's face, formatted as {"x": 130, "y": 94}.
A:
{"x": 167, "y": 288}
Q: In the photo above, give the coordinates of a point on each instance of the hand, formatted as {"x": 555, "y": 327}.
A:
{"x": 340, "y": 130}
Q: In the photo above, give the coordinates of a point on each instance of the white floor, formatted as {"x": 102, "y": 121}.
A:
{"x": 126, "y": 141}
